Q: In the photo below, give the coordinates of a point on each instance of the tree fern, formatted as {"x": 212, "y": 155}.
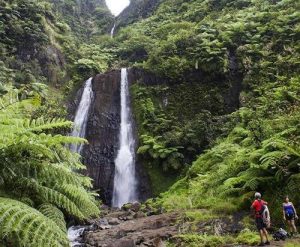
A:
{"x": 38, "y": 170}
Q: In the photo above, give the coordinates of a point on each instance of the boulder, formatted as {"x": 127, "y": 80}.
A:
{"x": 113, "y": 221}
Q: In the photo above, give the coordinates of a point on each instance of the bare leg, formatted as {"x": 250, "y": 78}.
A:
{"x": 293, "y": 226}
{"x": 266, "y": 234}
{"x": 261, "y": 234}
{"x": 290, "y": 226}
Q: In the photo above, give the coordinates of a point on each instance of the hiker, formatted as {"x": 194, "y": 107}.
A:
{"x": 289, "y": 215}
{"x": 259, "y": 207}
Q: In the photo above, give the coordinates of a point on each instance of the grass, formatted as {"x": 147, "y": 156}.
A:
{"x": 195, "y": 240}
{"x": 292, "y": 243}
{"x": 199, "y": 216}
{"x": 246, "y": 237}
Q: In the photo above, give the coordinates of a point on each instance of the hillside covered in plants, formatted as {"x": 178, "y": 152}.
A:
{"x": 43, "y": 55}
{"x": 231, "y": 95}
{"x": 216, "y": 107}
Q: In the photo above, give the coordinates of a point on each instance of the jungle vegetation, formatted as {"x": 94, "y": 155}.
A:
{"x": 251, "y": 45}
{"x": 199, "y": 149}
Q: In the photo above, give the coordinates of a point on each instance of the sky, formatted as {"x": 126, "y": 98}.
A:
{"x": 116, "y": 6}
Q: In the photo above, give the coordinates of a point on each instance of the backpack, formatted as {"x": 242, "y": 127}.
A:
{"x": 262, "y": 209}
{"x": 280, "y": 235}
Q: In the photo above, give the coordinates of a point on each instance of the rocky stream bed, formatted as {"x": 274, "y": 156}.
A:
{"x": 132, "y": 226}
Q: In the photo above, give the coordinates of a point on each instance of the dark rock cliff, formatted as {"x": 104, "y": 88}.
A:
{"x": 103, "y": 136}
{"x": 104, "y": 123}
{"x": 102, "y": 132}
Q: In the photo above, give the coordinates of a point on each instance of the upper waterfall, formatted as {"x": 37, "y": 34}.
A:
{"x": 112, "y": 31}
{"x": 81, "y": 116}
{"x": 125, "y": 179}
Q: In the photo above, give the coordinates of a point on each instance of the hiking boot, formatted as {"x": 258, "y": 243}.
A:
{"x": 267, "y": 243}
{"x": 261, "y": 244}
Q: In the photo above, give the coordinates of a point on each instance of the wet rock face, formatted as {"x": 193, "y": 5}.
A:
{"x": 136, "y": 75}
{"x": 103, "y": 136}
{"x": 102, "y": 133}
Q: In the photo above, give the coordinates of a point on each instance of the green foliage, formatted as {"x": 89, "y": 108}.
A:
{"x": 248, "y": 237}
{"x": 292, "y": 243}
{"x": 94, "y": 59}
{"x": 182, "y": 37}
{"x": 22, "y": 225}
{"x": 199, "y": 216}
{"x": 38, "y": 182}
{"x": 260, "y": 154}
{"x": 54, "y": 214}
{"x": 197, "y": 240}
{"x": 21, "y": 20}
{"x": 41, "y": 41}
{"x": 171, "y": 134}
{"x": 170, "y": 156}
{"x": 255, "y": 148}
{"x": 31, "y": 43}
{"x": 87, "y": 19}
{"x": 167, "y": 128}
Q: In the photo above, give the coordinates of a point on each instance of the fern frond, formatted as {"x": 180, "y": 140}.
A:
{"x": 83, "y": 201}
{"x": 52, "y": 196}
{"x": 21, "y": 221}
{"x": 8, "y": 99}
{"x": 38, "y": 169}
{"x": 271, "y": 159}
{"x": 40, "y": 124}
{"x": 54, "y": 214}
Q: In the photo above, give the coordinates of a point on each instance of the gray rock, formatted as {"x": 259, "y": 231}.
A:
{"x": 104, "y": 227}
{"x": 121, "y": 234}
{"x": 135, "y": 207}
{"x": 113, "y": 221}
{"x": 139, "y": 215}
{"x": 125, "y": 243}
{"x": 103, "y": 221}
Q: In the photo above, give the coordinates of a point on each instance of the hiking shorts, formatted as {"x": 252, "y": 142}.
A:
{"x": 289, "y": 216}
{"x": 260, "y": 224}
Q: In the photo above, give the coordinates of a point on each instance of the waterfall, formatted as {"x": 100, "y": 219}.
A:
{"x": 81, "y": 116}
{"x": 124, "y": 180}
{"x": 74, "y": 234}
{"x": 112, "y": 31}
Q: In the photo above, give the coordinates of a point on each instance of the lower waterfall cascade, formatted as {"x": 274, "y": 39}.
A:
{"x": 81, "y": 116}
{"x": 124, "y": 178}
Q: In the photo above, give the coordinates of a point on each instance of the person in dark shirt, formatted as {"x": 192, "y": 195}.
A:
{"x": 258, "y": 206}
{"x": 290, "y": 214}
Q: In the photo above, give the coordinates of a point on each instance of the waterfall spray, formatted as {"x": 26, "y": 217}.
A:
{"x": 125, "y": 180}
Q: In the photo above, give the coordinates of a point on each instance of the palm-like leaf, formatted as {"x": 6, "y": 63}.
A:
{"x": 38, "y": 168}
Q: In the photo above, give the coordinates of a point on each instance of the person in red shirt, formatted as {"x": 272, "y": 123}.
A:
{"x": 258, "y": 206}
